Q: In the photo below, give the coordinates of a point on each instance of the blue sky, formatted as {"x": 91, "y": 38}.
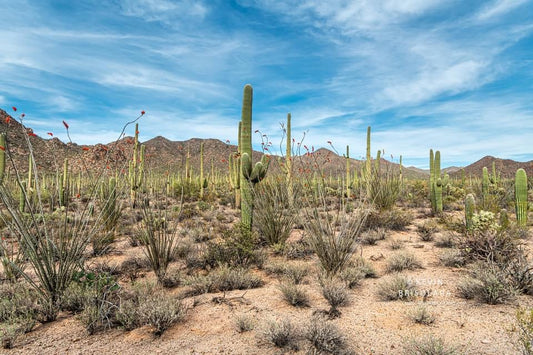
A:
{"x": 451, "y": 75}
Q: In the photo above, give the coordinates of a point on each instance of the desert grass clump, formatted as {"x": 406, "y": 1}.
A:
{"x": 393, "y": 219}
{"x": 352, "y": 276}
{"x": 325, "y": 338}
{"x": 384, "y": 188}
{"x": 429, "y": 345}
{"x": 447, "y": 240}
{"x": 372, "y": 236}
{"x": 292, "y": 272}
{"x": 244, "y": 323}
{"x": 223, "y": 279}
{"x": 336, "y": 293}
{"x": 293, "y": 294}
{"x": 427, "y": 230}
{"x": 281, "y": 334}
{"x": 365, "y": 267}
{"x": 397, "y": 287}
{"x": 161, "y": 312}
{"x": 403, "y": 261}
{"x": 421, "y": 315}
{"x": 487, "y": 283}
{"x": 452, "y": 258}
{"x": 396, "y": 244}
{"x": 524, "y": 327}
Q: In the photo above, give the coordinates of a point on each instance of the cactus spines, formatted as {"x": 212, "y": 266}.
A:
{"x": 3, "y": 149}
{"x": 521, "y": 197}
{"x": 136, "y": 167}
{"x": 504, "y": 219}
{"x": 470, "y": 207}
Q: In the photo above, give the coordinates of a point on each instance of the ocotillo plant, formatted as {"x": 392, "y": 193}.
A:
{"x": 250, "y": 176}
{"x": 136, "y": 167}
{"x": 2, "y": 156}
{"x": 521, "y": 197}
{"x": 470, "y": 208}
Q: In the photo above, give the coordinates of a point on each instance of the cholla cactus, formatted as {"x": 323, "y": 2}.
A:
{"x": 521, "y": 197}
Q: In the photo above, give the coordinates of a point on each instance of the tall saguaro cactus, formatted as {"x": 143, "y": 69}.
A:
{"x": 250, "y": 175}
{"x": 521, "y": 197}
{"x": 3, "y": 149}
{"x": 470, "y": 208}
{"x": 435, "y": 182}
{"x": 348, "y": 178}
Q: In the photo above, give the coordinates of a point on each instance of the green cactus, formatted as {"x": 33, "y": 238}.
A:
{"x": 435, "y": 182}
{"x": 504, "y": 219}
{"x": 63, "y": 185}
{"x": 470, "y": 208}
{"x": 521, "y": 203}
{"x": 250, "y": 175}
{"x": 485, "y": 188}
{"x": 368, "y": 162}
{"x": 203, "y": 183}
{"x": 348, "y": 179}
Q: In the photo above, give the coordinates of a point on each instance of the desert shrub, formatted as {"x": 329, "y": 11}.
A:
{"x": 275, "y": 210}
{"x": 158, "y": 241}
{"x": 394, "y": 219}
{"x": 429, "y": 345}
{"x": 396, "y": 244}
{"x": 421, "y": 315}
{"x": 416, "y": 192}
{"x": 18, "y": 301}
{"x": 452, "y": 258}
{"x": 298, "y": 250}
{"x": 384, "y": 188}
{"x": 281, "y": 334}
{"x": 372, "y": 236}
{"x": 334, "y": 238}
{"x": 9, "y": 332}
{"x": 294, "y": 273}
{"x": 352, "y": 276}
{"x": 366, "y": 268}
{"x": 397, "y": 287}
{"x": 162, "y": 312}
{"x": 244, "y": 323}
{"x": 336, "y": 293}
{"x": 524, "y": 326}
{"x": 447, "y": 240}
{"x": 224, "y": 279}
{"x": 427, "y": 230}
{"x": 237, "y": 248}
{"x": 487, "y": 283}
{"x": 325, "y": 338}
{"x": 402, "y": 261}
{"x": 498, "y": 246}
{"x": 294, "y": 294}
{"x": 520, "y": 272}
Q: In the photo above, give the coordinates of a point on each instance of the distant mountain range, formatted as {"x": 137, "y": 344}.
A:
{"x": 166, "y": 155}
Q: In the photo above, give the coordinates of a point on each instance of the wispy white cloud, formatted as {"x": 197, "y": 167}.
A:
{"x": 164, "y": 10}
{"x": 499, "y": 7}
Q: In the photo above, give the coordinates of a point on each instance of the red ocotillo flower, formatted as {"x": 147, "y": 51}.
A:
{"x": 31, "y": 134}
{"x": 142, "y": 113}
{"x": 2, "y": 148}
{"x": 14, "y": 108}
{"x": 85, "y": 148}
{"x": 65, "y": 124}
{"x": 23, "y": 115}
{"x": 50, "y": 134}
{"x": 8, "y": 119}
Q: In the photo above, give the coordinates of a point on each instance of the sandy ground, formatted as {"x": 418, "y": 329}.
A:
{"x": 370, "y": 325}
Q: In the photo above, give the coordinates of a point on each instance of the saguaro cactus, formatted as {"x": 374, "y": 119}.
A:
{"x": 435, "y": 182}
{"x": 521, "y": 197}
{"x": 470, "y": 208}
{"x": 64, "y": 185}
{"x": 250, "y": 175}
{"x": 348, "y": 178}
{"x": 485, "y": 188}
